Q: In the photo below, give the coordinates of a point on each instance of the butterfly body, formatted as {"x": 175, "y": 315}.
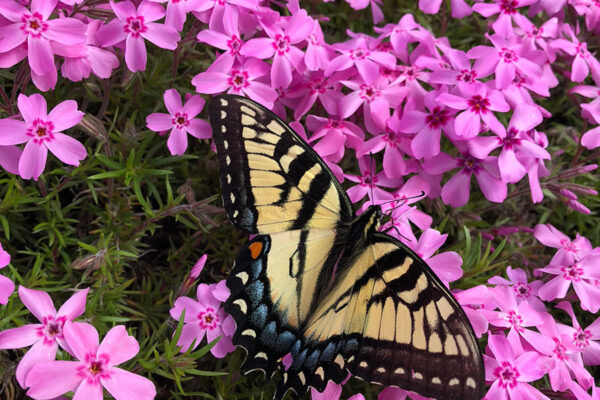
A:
{"x": 323, "y": 285}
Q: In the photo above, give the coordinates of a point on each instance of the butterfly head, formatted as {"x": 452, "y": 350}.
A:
{"x": 365, "y": 224}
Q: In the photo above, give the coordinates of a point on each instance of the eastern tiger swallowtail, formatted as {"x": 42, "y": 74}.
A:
{"x": 322, "y": 284}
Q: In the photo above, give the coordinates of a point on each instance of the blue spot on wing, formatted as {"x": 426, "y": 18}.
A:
{"x": 255, "y": 291}
{"x": 284, "y": 341}
{"x": 256, "y": 269}
{"x": 311, "y": 362}
{"x": 269, "y": 334}
{"x": 259, "y": 316}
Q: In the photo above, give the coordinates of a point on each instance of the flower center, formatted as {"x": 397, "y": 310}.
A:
{"x": 581, "y": 338}
{"x": 479, "y": 104}
{"x": 359, "y": 54}
{"x": 568, "y": 246}
{"x": 391, "y": 138}
{"x": 234, "y": 44}
{"x": 51, "y": 329}
{"x": 335, "y": 124}
{"x": 515, "y": 320}
{"x": 470, "y": 164}
{"x": 507, "y": 374}
{"x": 281, "y": 44}
{"x": 368, "y": 93}
{"x": 511, "y": 140}
{"x": 467, "y": 76}
{"x": 582, "y": 50}
{"x": 508, "y": 55}
{"x": 94, "y": 367}
{"x": 522, "y": 290}
{"x": 208, "y": 319}
{"x": 317, "y": 85}
{"x": 180, "y": 120}
{"x": 238, "y": 79}
{"x": 313, "y": 39}
{"x": 135, "y": 26}
{"x": 409, "y": 72}
{"x": 560, "y": 350}
{"x": 572, "y": 272}
{"x": 437, "y": 118}
{"x": 40, "y": 131}
{"x": 34, "y": 24}
{"x": 509, "y": 6}
{"x": 368, "y": 180}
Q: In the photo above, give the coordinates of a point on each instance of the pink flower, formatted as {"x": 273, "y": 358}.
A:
{"x": 242, "y": 80}
{"x": 369, "y": 182}
{"x": 508, "y": 11}
{"x": 524, "y": 290}
{"x": 506, "y": 58}
{"x": 45, "y": 337}
{"x": 568, "y": 251}
{"x": 356, "y": 53}
{"x": 582, "y": 275}
{"x": 565, "y": 359}
{"x": 205, "y": 317}
{"x": 583, "y": 61}
{"x": 332, "y": 136}
{"x": 7, "y": 287}
{"x": 476, "y": 301}
{"x": 177, "y": 10}
{"x": 230, "y": 41}
{"x": 509, "y": 374}
{"x": 133, "y": 26}
{"x": 278, "y": 45}
{"x": 35, "y": 28}
{"x": 427, "y": 125}
{"x": 376, "y": 12}
{"x": 181, "y": 120}
{"x": 9, "y": 158}
{"x": 42, "y": 132}
{"x": 317, "y": 56}
{"x": 515, "y": 142}
{"x": 478, "y": 101}
{"x": 460, "y": 8}
{"x": 95, "y": 368}
{"x": 457, "y": 189}
{"x": 586, "y": 340}
{"x": 395, "y": 393}
{"x": 446, "y": 265}
{"x": 100, "y": 61}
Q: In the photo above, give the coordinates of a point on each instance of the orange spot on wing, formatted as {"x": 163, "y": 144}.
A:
{"x": 255, "y": 249}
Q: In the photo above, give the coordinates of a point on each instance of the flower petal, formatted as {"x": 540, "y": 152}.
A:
{"x": 42, "y": 381}
{"x": 135, "y": 53}
{"x": 82, "y": 338}
{"x": 38, "y": 353}
{"x": 111, "y": 33}
{"x": 126, "y": 385}
{"x": 12, "y": 131}
{"x": 75, "y": 306}
{"x": 159, "y": 122}
{"x": 23, "y": 336}
{"x": 67, "y": 31}
{"x": 173, "y": 101}
{"x": 32, "y": 107}
{"x": 89, "y": 390}
{"x": 199, "y": 128}
{"x": 161, "y": 35}
{"x": 118, "y": 345}
{"x": 7, "y": 287}
{"x": 66, "y": 149}
{"x": 33, "y": 160}
{"x": 177, "y": 142}
{"x": 38, "y": 302}
{"x": 41, "y": 57}
{"x": 65, "y": 115}
{"x": 193, "y": 106}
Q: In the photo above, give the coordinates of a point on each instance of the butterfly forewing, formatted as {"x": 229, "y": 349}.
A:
{"x": 271, "y": 180}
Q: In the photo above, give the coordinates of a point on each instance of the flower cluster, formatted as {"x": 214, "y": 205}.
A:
{"x": 46, "y": 378}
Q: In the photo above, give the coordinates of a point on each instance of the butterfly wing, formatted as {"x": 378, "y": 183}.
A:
{"x": 271, "y": 180}
{"x": 395, "y": 324}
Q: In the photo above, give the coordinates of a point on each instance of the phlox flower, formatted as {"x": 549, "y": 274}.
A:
{"x": 278, "y": 45}
{"x": 446, "y": 265}
{"x": 569, "y": 250}
{"x": 460, "y": 8}
{"x": 565, "y": 359}
{"x": 532, "y": 35}
{"x": 177, "y": 10}
{"x": 591, "y": 111}
{"x": 315, "y": 85}
{"x": 478, "y": 101}
{"x": 587, "y": 340}
{"x": 7, "y": 287}
{"x": 583, "y": 62}
{"x": 369, "y": 183}
{"x": 42, "y": 132}
{"x": 237, "y": 79}
{"x": 45, "y": 337}
{"x": 216, "y": 12}
{"x": 100, "y": 61}
{"x": 507, "y": 10}
{"x": 458, "y": 70}
{"x": 333, "y": 391}
{"x": 582, "y": 274}
{"x": 376, "y": 99}
{"x": 180, "y": 120}
{"x": 34, "y": 28}
{"x": 205, "y": 317}
{"x": 590, "y": 9}
{"x": 331, "y": 136}
{"x": 133, "y": 26}
{"x": 510, "y": 372}
{"x": 94, "y": 369}
{"x": 522, "y": 288}
{"x": 229, "y": 40}
{"x": 506, "y": 58}
{"x": 427, "y": 125}
{"x": 317, "y": 55}
{"x": 475, "y": 302}
{"x": 395, "y": 393}
{"x": 518, "y": 317}
{"x": 401, "y": 34}
{"x": 515, "y": 143}
{"x": 376, "y": 12}
{"x": 456, "y": 190}
{"x": 356, "y": 53}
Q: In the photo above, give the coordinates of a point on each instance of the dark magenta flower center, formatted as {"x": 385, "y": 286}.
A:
{"x": 135, "y": 26}
{"x": 581, "y": 338}
{"x": 234, "y": 45}
{"x": 238, "y": 79}
{"x": 180, "y": 120}
{"x": 40, "y": 131}
{"x": 359, "y": 54}
{"x": 508, "y": 55}
{"x": 34, "y": 24}
{"x": 509, "y": 6}
{"x": 208, "y": 319}
{"x": 522, "y": 290}
{"x": 437, "y": 118}
{"x": 368, "y": 93}
{"x": 479, "y": 104}
{"x": 467, "y": 76}
{"x": 572, "y": 272}
{"x": 281, "y": 44}
{"x": 507, "y": 374}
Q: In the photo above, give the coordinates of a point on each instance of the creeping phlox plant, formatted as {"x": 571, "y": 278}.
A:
{"x": 479, "y": 119}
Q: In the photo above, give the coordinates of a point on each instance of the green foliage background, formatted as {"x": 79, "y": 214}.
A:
{"x": 132, "y": 220}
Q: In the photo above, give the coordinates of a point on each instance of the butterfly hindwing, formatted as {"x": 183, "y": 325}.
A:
{"x": 271, "y": 180}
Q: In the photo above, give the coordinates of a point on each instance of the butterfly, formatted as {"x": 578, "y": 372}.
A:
{"x": 323, "y": 285}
